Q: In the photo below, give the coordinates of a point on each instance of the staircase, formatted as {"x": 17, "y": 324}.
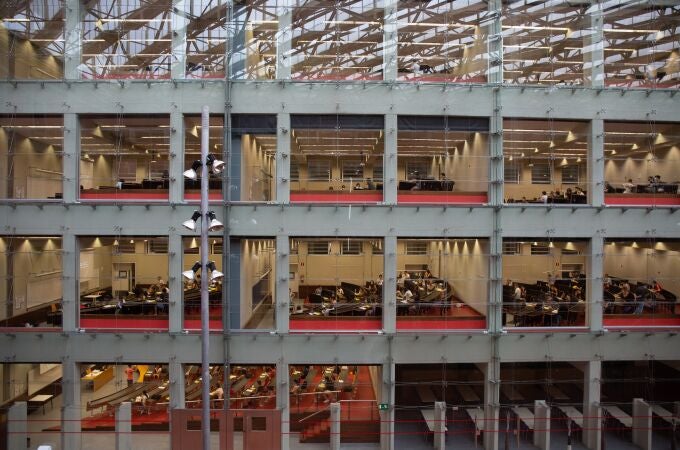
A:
{"x": 317, "y": 432}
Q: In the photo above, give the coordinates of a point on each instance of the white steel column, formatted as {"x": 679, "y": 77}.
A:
{"x": 594, "y": 284}
{"x": 439, "y": 425}
{"x": 387, "y": 396}
{"x": 335, "y": 426}
{"x": 593, "y": 49}
{"x": 541, "y": 425}
{"x": 390, "y": 160}
{"x": 72, "y": 38}
{"x": 284, "y": 40}
{"x": 178, "y": 59}
{"x": 283, "y": 399}
{"x": 592, "y": 423}
{"x": 71, "y": 158}
{"x": 176, "y": 157}
{"x": 389, "y": 290}
{"x": 282, "y": 292}
{"x": 70, "y": 302}
{"x": 596, "y": 162}
{"x": 495, "y": 43}
{"x": 283, "y": 158}
{"x": 175, "y": 286}
{"x": 70, "y": 406}
{"x": 390, "y": 41}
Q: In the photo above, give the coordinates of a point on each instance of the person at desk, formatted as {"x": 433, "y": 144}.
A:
{"x": 218, "y": 393}
{"x": 628, "y": 298}
{"x": 370, "y": 185}
{"x": 544, "y": 197}
{"x": 357, "y": 187}
{"x": 517, "y": 294}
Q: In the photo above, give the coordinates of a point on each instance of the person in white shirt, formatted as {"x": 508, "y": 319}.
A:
{"x": 517, "y": 296}
{"x": 544, "y": 197}
{"x": 628, "y": 187}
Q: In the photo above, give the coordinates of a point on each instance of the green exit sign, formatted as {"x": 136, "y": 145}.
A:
{"x": 383, "y": 406}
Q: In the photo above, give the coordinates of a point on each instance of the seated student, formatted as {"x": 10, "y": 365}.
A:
{"x": 370, "y": 185}
{"x": 544, "y": 197}
{"x": 218, "y": 393}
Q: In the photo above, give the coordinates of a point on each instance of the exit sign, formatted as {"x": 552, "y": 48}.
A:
{"x": 383, "y": 406}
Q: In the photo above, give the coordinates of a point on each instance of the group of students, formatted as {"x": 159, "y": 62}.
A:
{"x": 558, "y": 303}
{"x": 422, "y": 285}
{"x": 620, "y": 298}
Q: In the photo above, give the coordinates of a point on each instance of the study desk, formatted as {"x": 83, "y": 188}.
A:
{"x": 98, "y": 378}
{"x": 40, "y": 401}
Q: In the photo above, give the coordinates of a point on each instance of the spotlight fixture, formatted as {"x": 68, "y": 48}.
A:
{"x": 215, "y": 225}
{"x": 215, "y": 274}
{"x": 191, "y": 223}
{"x": 191, "y": 274}
{"x": 216, "y": 164}
{"x": 192, "y": 173}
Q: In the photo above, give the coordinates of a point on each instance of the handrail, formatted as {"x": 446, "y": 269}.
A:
{"x": 314, "y": 414}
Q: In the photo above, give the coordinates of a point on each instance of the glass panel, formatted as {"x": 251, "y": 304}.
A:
{"x": 126, "y": 39}
{"x": 546, "y": 284}
{"x": 124, "y": 158}
{"x": 545, "y": 43}
{"x": 442, "y": 284}
{"x": 30, "y": 281}
{"x": 192, "y": 285}
{"x": 31, "y": 157}
{"x": 442, "y": 160}
{"x": 641, "y": 44}
{"x": 206, "y": 38}
{"x": 253, "y": 171}
{"x": 192, "y": 153}
{"x": 252, "y": 281}
{"x": 339, "y": 159}
{"x": 255, "y": 40}
{"x": 641, "y": 283}
{"x": 546, "y": 160}
{"x": 123, "y": 282}
{"x": 419, "y": 386}
{"x": 32, "y": 40}
{"x": 341, "y": 41}
{"x": 40, "y": 386}
{"x": 443, "y": 41}
{"x": 314, "y": 386}
{"x": 336, "y": 284}
{"x": 642, "y": 162}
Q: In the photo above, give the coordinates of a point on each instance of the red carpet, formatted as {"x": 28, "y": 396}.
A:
{"x": 141, "y": 323}
{"x": 443, "y": 324}
{"x": 637, "y": 321}
{"x": 196, "y": 196}
{"x": 355, "y": 324}
{"x": 121, "y": 195}
{"x": 632, "y": 200}
{"x": 332, "y": 197}
{"x": 448, "y": 199}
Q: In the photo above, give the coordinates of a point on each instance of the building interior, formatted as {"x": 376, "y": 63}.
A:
{"x": 444, "y": 224}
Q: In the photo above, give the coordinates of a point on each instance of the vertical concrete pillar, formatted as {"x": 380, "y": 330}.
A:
{"x": 594, "y": 285}
{"x": 439, "y": 425}
{"x": 593, "y": 49}
{"x": 390, "y": 41}
{"x": 595, "y": 172}
{"x": 70, "y": 406}
{"x": 175, "y": 282}
{"x": 70, "y": 264}
{"x": 282, "y": 293}
{"x": 71, "y": 159}
{"x": 176, "y": 157}
{"x": 541, "y": 425}
{"x": 390, "y": 285}
{"x": 283, "y": 158}
{"x": 387, "y": 396}
{"x": 495, "y": 43}
{"x": 335, "y": 426}
{"x": 491, "y": 395}
{"x": 176, "y": 376}
{"x": 178, "y": 59}
{"x": 17, "y": 425}
{"x": 283, "y": 401}
{"x": 284, "y": 41}
{"x": 124, "y": 426}
{"x": 73, "y": 36}
{"x": 592, "y": 414}
{"x": 390, "y": 161}
{"x": 642, "y": 424}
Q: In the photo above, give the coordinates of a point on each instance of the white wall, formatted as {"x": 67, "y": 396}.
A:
{"x": 36, "y": 272}
{"x": 528, "y": 268}
{"x": 644, "y": 263}
{"x": 643, "y": 165}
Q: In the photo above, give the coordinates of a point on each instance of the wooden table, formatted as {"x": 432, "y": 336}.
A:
{"x": 40, "y": 400}
{"x": 99, "y": 378}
